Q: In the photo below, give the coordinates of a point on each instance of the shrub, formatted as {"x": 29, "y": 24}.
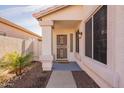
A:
{"x": 16, "y": 62}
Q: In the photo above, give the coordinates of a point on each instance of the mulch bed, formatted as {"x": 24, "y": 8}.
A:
{"x": 83, "y": 80}
{"x": 34, "y": 78}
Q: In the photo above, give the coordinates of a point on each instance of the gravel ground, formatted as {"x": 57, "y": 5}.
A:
{"x": 34, "y": 78}
{"x": 83, "y": 80}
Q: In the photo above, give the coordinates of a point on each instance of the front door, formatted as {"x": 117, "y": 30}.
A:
{"x": 61, "y": 47}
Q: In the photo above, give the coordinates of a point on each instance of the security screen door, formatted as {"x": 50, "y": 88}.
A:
{"x": 61, "y": 47}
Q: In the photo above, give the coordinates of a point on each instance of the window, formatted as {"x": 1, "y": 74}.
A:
{"x": 77, "y": 42}
{"x": 100, "y": 35}
{"x": 96, "y": 34}
{"x": 71, "y": 42}
{"x": 88, "y": 38}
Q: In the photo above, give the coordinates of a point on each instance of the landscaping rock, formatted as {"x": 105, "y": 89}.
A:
{"x": 34, "y": 78}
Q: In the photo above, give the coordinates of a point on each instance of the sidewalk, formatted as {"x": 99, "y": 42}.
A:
{"x": 61, "y": 79}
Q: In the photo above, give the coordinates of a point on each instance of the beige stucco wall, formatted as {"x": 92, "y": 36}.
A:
{"x": 37, "y": 49}
{"x": 22, "y": 46}
{"x": 9, "y": 44}
{"x": 119, "y": 43}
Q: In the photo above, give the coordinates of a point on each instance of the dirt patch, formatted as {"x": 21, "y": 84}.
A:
{"x": 83, "y": 80}
{"x": 34, "y": 78}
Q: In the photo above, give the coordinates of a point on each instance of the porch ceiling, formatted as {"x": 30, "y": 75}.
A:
{"x": 67, "y": 24}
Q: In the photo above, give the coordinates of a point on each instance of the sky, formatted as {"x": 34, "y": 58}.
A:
{"x": 22, "y": 15}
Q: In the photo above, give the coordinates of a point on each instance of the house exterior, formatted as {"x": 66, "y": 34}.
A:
{"x": 14, "y": 36}
{"x": 91, "y": 35}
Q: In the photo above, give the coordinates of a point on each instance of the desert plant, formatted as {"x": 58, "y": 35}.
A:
{"x": 16, "y": 62}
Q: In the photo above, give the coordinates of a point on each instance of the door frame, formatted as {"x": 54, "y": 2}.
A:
{"x": 66, "y": 48}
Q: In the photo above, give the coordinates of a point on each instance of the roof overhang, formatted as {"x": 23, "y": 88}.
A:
{"x": 48, "y": 11}
{"x": 7, "y": 22}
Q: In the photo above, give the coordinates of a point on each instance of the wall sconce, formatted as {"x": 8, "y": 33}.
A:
{"x": 80, "y": 34}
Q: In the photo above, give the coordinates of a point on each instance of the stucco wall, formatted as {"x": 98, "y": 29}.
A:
{"x": 28, "y": 46}
{"x": 37, "y": 47}
{"x": 8, "y": 45}
{"x": 119, "y": 43}
{"x": 32, "y": 46}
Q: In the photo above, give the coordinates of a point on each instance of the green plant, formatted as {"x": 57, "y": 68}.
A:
{"x": 16, "y": 62}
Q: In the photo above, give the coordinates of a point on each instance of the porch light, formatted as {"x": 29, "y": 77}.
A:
{"x": 79, "y": 35}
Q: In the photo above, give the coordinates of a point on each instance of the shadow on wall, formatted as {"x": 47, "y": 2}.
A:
{"x": 31, "y": 46}
{"x": 27, "y": 46}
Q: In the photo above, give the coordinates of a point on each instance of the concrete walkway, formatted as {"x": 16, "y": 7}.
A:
{"x": 69, "y": 75}
{"x": 61, "y": 76}
{"x": 61, "y": 79}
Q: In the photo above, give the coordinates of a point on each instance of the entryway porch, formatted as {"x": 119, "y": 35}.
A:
{"x": 69, "y": 75}
{"x": 64, "y": 41}
{"x": 60, "y": 41}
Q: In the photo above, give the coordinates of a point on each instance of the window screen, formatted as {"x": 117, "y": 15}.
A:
{"x": 88, "y": 38}
{"x": 100, "y": 35}
{"x": 98, "y": 29}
